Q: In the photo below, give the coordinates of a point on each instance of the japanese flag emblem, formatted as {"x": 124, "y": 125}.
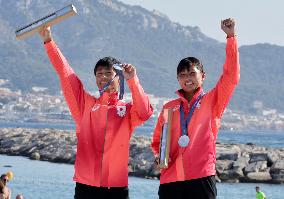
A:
{"x": 121, "y": 110}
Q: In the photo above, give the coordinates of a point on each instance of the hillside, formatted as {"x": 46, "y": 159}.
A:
{"x": 149, "y": 40}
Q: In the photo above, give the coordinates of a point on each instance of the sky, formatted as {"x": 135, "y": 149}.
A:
{"x": 257, "y": 21}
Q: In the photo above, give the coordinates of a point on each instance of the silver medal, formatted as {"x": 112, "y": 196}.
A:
{"x": 183, "y": 140}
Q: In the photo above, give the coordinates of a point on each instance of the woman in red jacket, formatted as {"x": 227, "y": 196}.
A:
{"x": 104, "y": 125}
{"x": 195, "y": 122}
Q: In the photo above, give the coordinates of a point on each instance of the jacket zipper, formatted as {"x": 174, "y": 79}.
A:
{"x": 104, "y": 146}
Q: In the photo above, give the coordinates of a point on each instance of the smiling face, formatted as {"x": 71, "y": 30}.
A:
{"x": 190, "y": 79}
{"x": 104, "y": 75}
{"x": 105, "y": 72}
{"x": 190, "y": 75}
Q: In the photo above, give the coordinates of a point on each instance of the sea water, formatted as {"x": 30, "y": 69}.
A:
{"x": 45, "y": 180}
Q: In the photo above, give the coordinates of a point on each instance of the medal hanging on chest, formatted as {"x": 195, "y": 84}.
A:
{"x": 184, "y": 140}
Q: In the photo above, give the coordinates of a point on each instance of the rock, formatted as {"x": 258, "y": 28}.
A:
{"x": 222, "y": 165}
{"x": 272, "y": 157}
{"x": 35, "y": 156}
{"x": 235, "y": 162}
{"x": 154, "y": 172}
{"x": 277, "y": 171}
{"x": 258, "y": 176}
{"x": 228, "y": 152}
{"x": 238, "y": 172}
{"x": 232, "y": 170}
{"x": 32, "y": 149}
{"x": 256, "y": 167}
{"x": 278, "y": 165}
{"x": 241, "y": 163}
{"x": 229, "y": 176}
{"x": 255, "y": 157}
{"x": 139, "y": 171}
{"x": 228, "y": 156}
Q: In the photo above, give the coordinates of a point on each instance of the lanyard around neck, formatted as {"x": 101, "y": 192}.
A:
{"x": 184, "y": 123}
{"x": 107, "y": 85}
{"x": 119, "y": 73}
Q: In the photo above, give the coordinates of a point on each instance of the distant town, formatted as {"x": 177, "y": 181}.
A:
{"x": 38, "y": 106}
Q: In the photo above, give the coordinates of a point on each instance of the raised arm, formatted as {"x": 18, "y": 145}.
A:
{"x": 231, "y": 70}
{"x": 141, "y": 109}
{"x": 71, "y": 85}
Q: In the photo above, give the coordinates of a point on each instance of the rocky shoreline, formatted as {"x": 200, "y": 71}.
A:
{"x": 235, "y": 162}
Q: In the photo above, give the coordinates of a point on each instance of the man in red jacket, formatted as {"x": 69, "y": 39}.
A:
{"x": 104, "y": 125}
{"x": 195, "y": 122}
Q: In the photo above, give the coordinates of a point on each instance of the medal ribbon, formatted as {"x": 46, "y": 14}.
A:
{"x": 184, "y": 123}
{"x": 119, "y": 73}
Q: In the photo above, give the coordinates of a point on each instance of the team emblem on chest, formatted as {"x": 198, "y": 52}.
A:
{"x": 176, "y": 107}
{"x": 95, "y": 107}
{"x": 121, "y": 111}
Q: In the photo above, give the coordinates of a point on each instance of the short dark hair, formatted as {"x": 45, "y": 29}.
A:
{"x": 106, "y": 62}
{"x": 188, "y": 62}
{"x": 2, "y": 176}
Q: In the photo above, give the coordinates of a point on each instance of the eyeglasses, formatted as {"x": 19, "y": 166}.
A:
{"x": 6, "y": 180}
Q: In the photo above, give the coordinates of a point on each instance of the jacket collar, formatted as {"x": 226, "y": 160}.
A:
{"x": 180, "y": 93}
{"x": 109, "y": 98}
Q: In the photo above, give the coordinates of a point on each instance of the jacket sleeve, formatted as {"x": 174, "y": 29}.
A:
{"x": 228, "y": 80}
{"x": 71, "y": 85}
{"x": 157, "y": 134}
{"x": 141, "y": 109}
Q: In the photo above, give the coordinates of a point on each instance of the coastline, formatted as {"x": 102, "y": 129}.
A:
{"x": 235, "y": 162}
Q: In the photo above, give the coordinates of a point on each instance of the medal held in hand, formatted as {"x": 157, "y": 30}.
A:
{"x": 184, "y": 140}
{"x": 119, "y": 74}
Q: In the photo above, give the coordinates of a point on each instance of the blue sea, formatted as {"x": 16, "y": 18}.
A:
{"x": 44, "y": 180}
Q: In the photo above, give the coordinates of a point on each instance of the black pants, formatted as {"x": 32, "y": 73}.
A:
{"x": 83, "y": 191}
{"x": 202, "y": 188}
